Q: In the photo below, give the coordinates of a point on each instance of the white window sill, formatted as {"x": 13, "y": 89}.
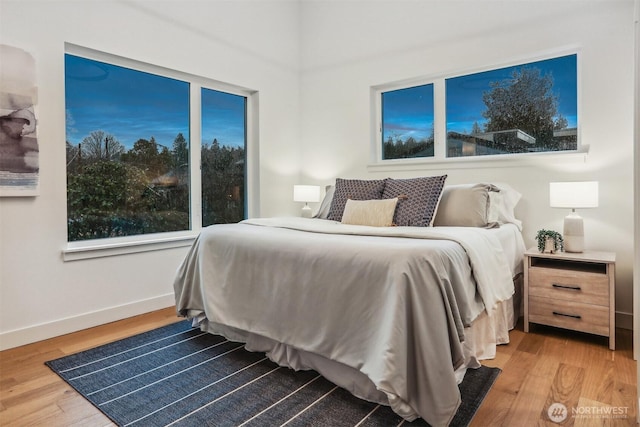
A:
{"x": 475, "y": 162}
{"x": 126, "y": 245}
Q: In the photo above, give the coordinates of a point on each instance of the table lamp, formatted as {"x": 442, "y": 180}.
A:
{"x": 573, "y": 195}
{"x": 306, "y": 194}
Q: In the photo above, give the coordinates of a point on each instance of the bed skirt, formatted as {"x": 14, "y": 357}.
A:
{"x": 481, "y": 339}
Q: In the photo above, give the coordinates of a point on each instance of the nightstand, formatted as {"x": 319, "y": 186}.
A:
{"x": 571, "y": 290}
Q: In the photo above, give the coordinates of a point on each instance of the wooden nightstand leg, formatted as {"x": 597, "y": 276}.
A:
{"x": 526, "y": 293}
{"x": 611, "y": 271}
{"x": 612, "y": 338}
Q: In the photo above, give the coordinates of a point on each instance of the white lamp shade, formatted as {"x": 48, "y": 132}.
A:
{"x": 573, "y": 195}
{"x": 306, "y": 193}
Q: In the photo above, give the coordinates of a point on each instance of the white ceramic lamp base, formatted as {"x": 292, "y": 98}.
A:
{"x": 573, "y": 235}
{"x": 306, "y": 211}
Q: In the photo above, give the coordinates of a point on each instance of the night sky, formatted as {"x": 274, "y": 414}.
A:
{"x": 131, "y": 105}
{"x": 409, "y": 112}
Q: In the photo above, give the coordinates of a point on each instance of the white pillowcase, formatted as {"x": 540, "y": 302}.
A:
{"x": 496, "y": 200}
{"x": 510, "y": 198}
{"x": 374, "y": 213}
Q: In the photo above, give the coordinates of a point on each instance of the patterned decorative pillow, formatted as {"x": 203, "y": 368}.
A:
{"x": 419, "y": 207}
{"x": 374, "y": 213}
{"x": 355, "y": 189}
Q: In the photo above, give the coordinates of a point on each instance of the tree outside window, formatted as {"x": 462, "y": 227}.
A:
{"x": 223, "y": 157}
{"x": 128, "y": 168}
{"x": 520, "y": 109}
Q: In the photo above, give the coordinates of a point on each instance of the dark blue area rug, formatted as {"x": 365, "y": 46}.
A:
{"x": 178, "y": 375}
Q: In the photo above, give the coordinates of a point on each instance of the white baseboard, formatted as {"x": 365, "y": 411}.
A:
{"x": 56, "y": 328}
{"x": 624, "y": 320}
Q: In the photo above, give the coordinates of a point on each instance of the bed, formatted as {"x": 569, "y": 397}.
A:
{"x": 393, "y": 314}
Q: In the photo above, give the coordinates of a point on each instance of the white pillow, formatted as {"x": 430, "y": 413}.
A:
{"x": 374, "y": 213}
{"x": 496, "y": 201}
{"x": 510, "y": 198}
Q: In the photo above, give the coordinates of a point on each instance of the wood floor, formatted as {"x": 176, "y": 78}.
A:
{"x": 550, "y": 365}
{"x": 540, "y": 368}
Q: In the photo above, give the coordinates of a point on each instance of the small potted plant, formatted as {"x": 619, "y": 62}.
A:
{"x": 549, "y": 241}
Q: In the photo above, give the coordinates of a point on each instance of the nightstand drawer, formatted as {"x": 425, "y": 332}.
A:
{"x": 588, "y": 288}
{"x": 569, "y": 314}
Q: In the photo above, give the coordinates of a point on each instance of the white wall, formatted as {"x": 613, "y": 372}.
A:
{"x": 636, "y": 269}
{"x": 313, "y": 63}
{"x": 350, "y": 46}
{"x": 250, "y": 44}
{"x": 636, "y": 266}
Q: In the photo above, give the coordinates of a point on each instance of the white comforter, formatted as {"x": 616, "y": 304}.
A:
{"x": 390, "y": 303}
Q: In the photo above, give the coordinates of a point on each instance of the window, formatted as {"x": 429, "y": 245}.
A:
{"x": 407, "y": 122}
{"x": 521, "y": 109}
{"x": 130, "y": 136}
{"x": 223, "y": 157}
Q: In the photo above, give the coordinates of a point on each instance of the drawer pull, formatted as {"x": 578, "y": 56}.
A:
{"x": 571, "y": 288}
{"x": 575, "y": 316}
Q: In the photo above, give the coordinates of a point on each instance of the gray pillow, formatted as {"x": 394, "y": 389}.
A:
{"x": 355, "y": 189}
{"x": 418, "y": 199}
{"x": 467, "y": 205}
{"x": 323, "y": 211}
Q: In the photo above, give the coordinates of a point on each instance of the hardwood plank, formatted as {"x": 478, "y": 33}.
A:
{"x": 47, "y": 415}
{"x": 529, "y": 405}
{"x": 625, "y": 371}
{"x": 500, "y": 360}
{"x": 599, "y": 380}
{"x": 532, "y": 344}
{"x": 515, "y": 371}
{"x": 589, "y": 420}
{"x": 36, "y": 404}
{"x": 494, "y": 409}
{"x": 76, "y": 410}
{"x": 516, "y": 336}
{"x": 625, "y": 398}
{"x": 550, "y": 356}
{"x": 565, "y": 389}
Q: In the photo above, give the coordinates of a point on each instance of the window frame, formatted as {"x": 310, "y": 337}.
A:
{"x": 95, "y": 248}
{"x": 440, "y": 159}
